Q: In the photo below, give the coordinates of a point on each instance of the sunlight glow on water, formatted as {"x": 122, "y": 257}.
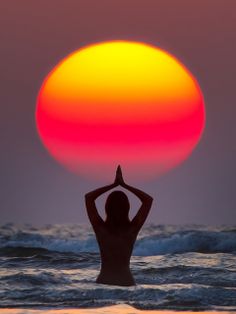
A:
{"x": 117, "y": 309}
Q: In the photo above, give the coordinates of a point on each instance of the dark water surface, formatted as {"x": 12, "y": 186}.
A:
{"x": 175, "y": 267}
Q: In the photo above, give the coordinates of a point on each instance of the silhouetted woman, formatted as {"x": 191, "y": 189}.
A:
{"x": 117, "y": 234}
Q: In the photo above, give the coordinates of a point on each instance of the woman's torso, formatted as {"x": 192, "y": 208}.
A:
{"x": 116, "y": 245}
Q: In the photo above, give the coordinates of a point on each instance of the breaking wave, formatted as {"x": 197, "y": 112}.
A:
{"x": 155, "y": 240}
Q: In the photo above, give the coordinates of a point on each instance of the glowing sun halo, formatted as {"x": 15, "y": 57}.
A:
{"x": 120, "y": 102}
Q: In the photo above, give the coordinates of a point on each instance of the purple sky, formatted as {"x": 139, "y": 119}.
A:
{"x": 35, "y": 35}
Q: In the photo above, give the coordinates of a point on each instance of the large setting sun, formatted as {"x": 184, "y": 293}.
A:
{"x": 120, "y": 102}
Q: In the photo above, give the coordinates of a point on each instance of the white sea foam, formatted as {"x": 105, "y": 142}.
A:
{"x": 153, "y": 241}
{"x": 56, "y": 266}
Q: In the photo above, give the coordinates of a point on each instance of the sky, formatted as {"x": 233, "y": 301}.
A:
{"x": 36, "y": 35}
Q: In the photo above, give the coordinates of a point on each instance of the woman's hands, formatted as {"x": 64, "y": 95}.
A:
{"x": 146, "y": 200}
{"x": 119, "y": 177}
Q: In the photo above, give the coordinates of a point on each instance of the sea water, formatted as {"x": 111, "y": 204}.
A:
{"x": 175, "y": 267}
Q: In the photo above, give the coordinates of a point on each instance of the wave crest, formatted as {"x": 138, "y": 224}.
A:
{"x": 154, "y": 240}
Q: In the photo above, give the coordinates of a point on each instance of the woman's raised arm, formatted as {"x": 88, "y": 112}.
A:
{"x": 90, "y": 198}
{"x": 146, "y": 200}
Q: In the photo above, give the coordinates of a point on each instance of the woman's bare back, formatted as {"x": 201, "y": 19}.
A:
{"x": 117, "y": 234}
{"x": 115, "y": 248}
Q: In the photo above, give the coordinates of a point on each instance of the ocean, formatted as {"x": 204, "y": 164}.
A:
{"x": 175, "y": 267}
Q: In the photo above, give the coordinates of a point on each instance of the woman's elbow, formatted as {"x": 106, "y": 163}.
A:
{"x": 150, "y": 201}
{"x": 88, "y": 196}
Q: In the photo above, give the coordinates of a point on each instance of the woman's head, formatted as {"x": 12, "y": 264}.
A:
{"x": 117, "y": 208}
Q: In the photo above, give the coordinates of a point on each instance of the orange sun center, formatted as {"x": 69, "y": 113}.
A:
{"x": 120, "y": 102}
